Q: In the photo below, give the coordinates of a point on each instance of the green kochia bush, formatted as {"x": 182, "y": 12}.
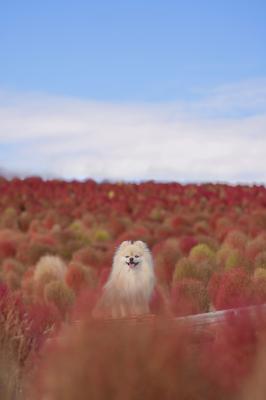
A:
{"x": 229, "y": 257}
{"x": 234, "y": 259}
{"x": 189, "y": 296}
{"x": 60, "y": 295}
{"x": 201, "y": 252}
{"x": 102, "y": 235}
{"x": 184, "y": 269}
{"x": 201, "y": 270}
{"x": 203, "y": 259}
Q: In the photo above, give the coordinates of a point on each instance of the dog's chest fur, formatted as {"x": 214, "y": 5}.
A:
{"x": 134, "y": 282}
{"x": 128, "y": 291}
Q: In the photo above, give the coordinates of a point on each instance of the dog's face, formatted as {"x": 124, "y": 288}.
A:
{"x": 131, "y": 253}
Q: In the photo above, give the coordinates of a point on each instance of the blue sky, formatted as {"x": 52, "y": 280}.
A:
{"x": 166, "y": 71}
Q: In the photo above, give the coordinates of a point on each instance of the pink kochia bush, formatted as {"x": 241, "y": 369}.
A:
{"x": 117, "y": 360}
{"x": 147, "y": 359}
{"x": 80, "y": 277}
{"x": 228, "y": 359}
{"x": 8, "y": 243}
{"x": 166, "y": 254}
{"x": 230, "y": 289}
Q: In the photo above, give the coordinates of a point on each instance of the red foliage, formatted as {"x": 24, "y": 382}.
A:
{"x": 43, "y": 321}
{"x": 166, "y": 253}
{"x": 149, "y": 360}
{"x": 228, "y": 360}
{"x": 234, "y": 290}
{"x": 136, "y": 233}
{"x": 85, "y": 303}
{"x": 254, "y": 247}
{"x": 87, "y": 256}
{"x": 213, "y": 286}
{"x": 79, "y": 277}
{"x": 104, "y": 274}
{"x": 8, "y": 243}
{"x": 186, "y": 243}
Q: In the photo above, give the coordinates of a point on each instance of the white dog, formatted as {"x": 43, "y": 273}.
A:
{"x": 131, "y": 282}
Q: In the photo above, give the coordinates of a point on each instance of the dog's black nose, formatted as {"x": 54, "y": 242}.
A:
{"x": 131, "y": 259}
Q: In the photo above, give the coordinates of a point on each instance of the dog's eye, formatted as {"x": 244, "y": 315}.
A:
{"x": 136, "y": 256}
{"x": 127, "y": 256}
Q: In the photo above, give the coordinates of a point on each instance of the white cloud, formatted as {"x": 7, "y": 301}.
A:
{"x": 220, "y": 137}
{"x": 243, "y": 97}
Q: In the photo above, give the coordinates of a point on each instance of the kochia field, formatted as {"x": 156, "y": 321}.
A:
{"x": 208, "y": 244}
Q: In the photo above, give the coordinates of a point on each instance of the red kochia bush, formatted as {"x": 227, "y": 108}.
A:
{"x": 254, "y": 247}
{"x": 151, "y": 359}
{"x": 135, "y": 233}
{"x": 236, "y": 239}
{"x": 43, "y": 321}
{"x": 79, "y": 277}
{"x": 8, "y": 243}
{"x": 231, "y": 289}
{"x": 14, "y": 327}
{"x": 86, "y": 256}
{"x": 132, "y": 359}
{"x": 166, "y": 253}
{"x": 228, "y": 359}
{"x": 186, "y": 243}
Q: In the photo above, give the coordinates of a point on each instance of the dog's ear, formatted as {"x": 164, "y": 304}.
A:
{"x": 141, "y": 244}
{"x": 124, "y": 244}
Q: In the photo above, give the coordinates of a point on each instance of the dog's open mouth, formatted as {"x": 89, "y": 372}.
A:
{"x": 132, "y": 264}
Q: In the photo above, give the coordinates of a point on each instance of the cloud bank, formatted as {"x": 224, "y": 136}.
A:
{"x": 221, "y": 136}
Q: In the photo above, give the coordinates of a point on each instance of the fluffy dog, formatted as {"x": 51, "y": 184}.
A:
{"x": 130, "y": 284}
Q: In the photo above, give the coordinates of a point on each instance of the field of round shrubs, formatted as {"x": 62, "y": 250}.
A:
{"x": 208, "y": 244}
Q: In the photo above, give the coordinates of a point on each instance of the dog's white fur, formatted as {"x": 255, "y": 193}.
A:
{"x": 130, "y": 284}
